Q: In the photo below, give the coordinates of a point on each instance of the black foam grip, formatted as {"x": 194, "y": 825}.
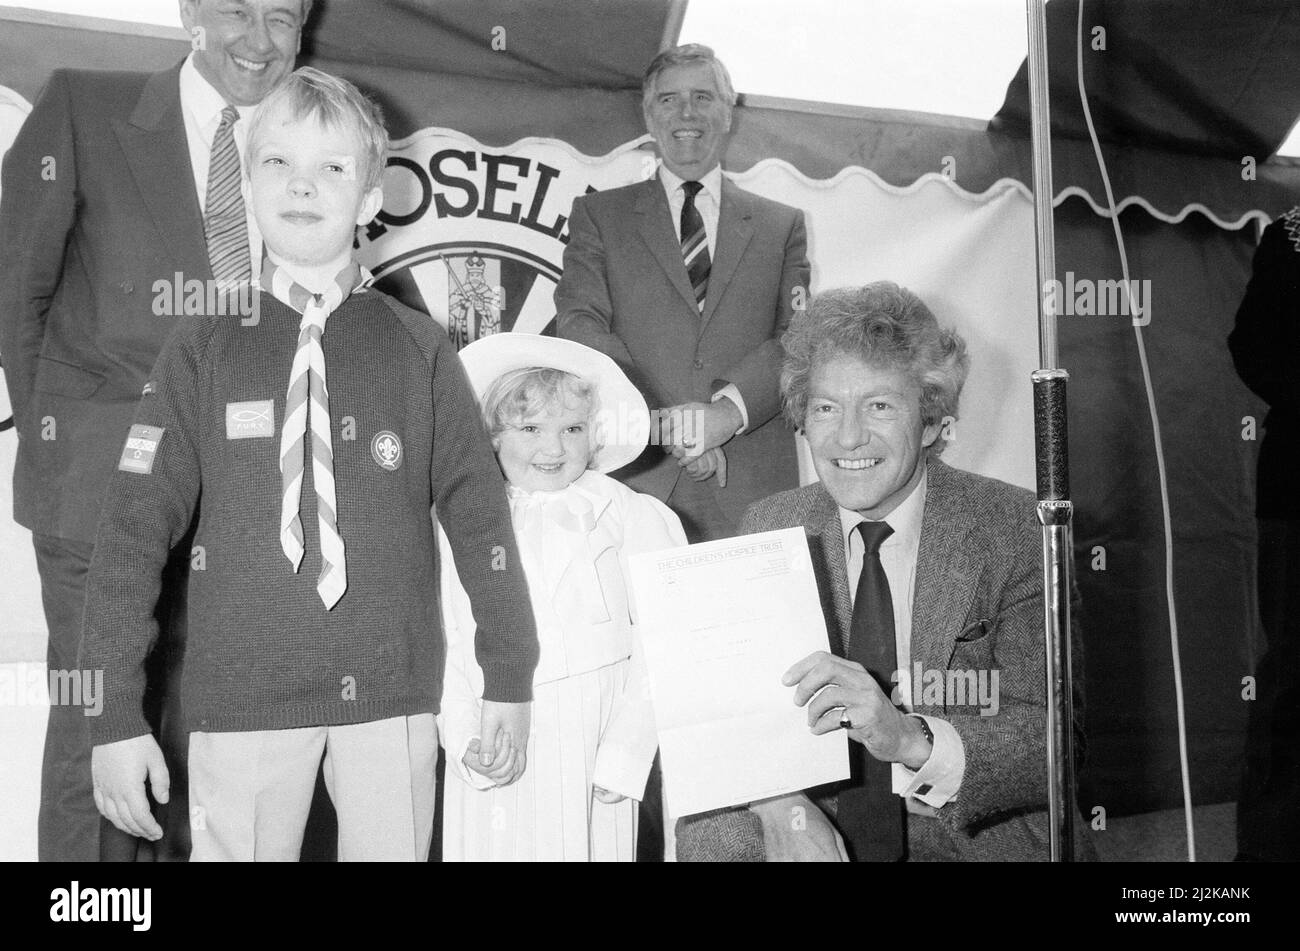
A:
{"x": 1051, "y": 439}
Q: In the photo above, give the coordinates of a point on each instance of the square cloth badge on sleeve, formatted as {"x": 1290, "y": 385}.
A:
{"x": 140, "y": 449}
{"x": 250, "y": 420}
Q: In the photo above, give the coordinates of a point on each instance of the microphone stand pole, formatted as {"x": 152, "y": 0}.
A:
{"x": 1055, "y": 510}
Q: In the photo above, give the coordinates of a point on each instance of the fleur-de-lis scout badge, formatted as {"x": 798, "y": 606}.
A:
{"x": 386, "y": 449}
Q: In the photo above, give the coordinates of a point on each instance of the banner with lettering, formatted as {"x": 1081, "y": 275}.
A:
{"x": 475, "y": 236}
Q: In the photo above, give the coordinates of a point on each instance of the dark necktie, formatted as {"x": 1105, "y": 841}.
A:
{"x": 870, "y": 816}
{"x": 225, "y": 224}
{"x": 695, "y": 244}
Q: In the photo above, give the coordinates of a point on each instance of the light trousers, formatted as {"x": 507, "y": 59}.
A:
{"x": 250, "y": 792}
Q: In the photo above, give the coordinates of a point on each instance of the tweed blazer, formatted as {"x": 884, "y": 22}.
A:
{"x": 979, "y": 560}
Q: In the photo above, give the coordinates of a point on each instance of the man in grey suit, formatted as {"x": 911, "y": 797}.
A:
{"x": 687, "y": 282}
{"x": 932, "y": 590}
{"x": 105, "y": 195}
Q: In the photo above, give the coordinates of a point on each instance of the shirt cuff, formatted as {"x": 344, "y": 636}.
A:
{"x": 939, "y": 778}
{"x": 732, "y": 392}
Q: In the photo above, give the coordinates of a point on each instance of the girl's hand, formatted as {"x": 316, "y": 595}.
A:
{"x": 605, "y": 796}
{"x": 507, "y": 765}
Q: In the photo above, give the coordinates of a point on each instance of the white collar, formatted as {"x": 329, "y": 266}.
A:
{"x": 582, "y": 495}
{"x": 711, "y": 182}
{"x": 200, "y": 98}
{"x": 904, "y": 520}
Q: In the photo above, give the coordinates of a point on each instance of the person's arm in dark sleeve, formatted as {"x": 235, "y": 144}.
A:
{"x": 470, "y": 500}
{"x": 584, "y": 310}
{"x": 758, "y": 373}
{"x": 147, "y": 510}
{"x": 37, "y": 213}
{"x": 1265, "y": 342}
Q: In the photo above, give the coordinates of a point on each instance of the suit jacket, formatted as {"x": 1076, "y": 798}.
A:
{"x": 98, "y": 204}
{"x": 624, "y": 292}
{"x": 1265, "y": 343}
{"x": 980, "y": 558}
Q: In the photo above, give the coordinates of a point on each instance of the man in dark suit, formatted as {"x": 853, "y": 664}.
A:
{"x": 687, "y": 281}
{"x": 118, "y": 187}
{"x": 1265, "y": 344}
{"x": 931, "y": 585}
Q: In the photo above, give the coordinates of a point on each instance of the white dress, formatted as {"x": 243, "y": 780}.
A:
{"x": 592, "y": 721}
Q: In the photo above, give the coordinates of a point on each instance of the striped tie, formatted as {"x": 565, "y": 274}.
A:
{"x": 695, "y": 244}
{"x": 225, "y": 224}
{"x": 307, "y": 406}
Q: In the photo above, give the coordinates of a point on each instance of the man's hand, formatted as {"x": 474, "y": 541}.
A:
{"x": 691, "y": 429}
{"x": 833, "y": 687}
{"x": 702, "y": 468}
{"x": 512, "y": 722}
{"x": 118, "y": 771}
{"x": 796, "y": 830}
{"x": 605, "y": 796}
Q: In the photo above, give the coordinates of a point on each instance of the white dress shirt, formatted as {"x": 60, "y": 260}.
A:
{"x": 201, "y": 105}
{"x": 942, "y": 773}
{"x": 708, "y": 201}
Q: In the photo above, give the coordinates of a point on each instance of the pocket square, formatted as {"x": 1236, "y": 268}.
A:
{"x": 974, "y": 631}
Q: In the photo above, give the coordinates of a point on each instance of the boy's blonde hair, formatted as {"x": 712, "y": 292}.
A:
{"x": 336, "y": 104}
{"x": 518, "y": 394}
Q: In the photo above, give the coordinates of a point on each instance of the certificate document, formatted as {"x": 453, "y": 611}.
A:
{"x": 720, "y": 623}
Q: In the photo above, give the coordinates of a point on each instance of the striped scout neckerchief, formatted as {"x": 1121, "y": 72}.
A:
{"x": 307, "y": 406}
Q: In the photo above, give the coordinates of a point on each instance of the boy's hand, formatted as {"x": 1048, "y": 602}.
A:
{"x": 511, "y": 720}
{"x": 605, "y": 796}
{"x": 507, "y": 764}
{"x": 118, "y": 772}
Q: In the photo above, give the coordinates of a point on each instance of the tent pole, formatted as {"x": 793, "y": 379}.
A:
{"x": 1055, "y": 510}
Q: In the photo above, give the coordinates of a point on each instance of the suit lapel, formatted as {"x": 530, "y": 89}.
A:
{"x": 735, "y": 229}
{"x": 157, "y": 153}
{"x": 827, "y": 543}
{"x": 947, "y": 570}
{"x": 659, "y": 233}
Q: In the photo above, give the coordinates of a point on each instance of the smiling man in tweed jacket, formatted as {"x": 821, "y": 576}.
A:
{"x": 936, "y": 625}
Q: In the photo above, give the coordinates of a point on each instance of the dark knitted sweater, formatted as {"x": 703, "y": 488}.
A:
{"x": 262, "y": 651}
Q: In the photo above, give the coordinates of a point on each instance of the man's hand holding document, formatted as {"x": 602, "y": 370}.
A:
{"x": 721, "y": 622}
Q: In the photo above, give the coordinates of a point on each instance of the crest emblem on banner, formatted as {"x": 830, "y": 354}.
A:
{"x": 475, "y": 236}
{"x": 476, "y": 299}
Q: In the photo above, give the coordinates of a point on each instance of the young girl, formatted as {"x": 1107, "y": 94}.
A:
{"x": 593, "y": 735}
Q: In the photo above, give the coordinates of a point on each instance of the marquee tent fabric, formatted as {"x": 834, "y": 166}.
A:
{"x": 1181, "y": 95}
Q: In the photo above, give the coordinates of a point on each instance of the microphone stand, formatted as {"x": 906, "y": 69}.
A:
{"x": 1055, "y": 510}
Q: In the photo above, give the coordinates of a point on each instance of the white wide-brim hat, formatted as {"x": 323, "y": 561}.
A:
{"x": 622, "y": 422}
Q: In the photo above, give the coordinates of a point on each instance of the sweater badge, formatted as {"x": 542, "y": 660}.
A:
{"x": 250, "y": 420}
{"x": 386, "y": 449}
{"x": 141, "y": 447}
